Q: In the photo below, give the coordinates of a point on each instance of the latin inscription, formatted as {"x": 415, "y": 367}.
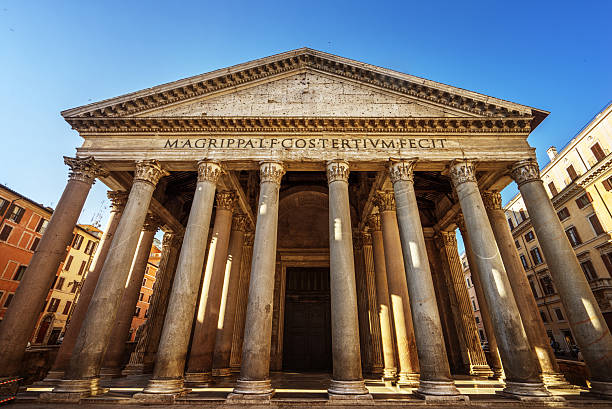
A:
{"x": 306, "y": 143}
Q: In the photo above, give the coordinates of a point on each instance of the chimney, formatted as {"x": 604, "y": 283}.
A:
{"x": 552, "y": 153}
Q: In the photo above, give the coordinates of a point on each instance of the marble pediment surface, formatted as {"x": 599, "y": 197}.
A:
{"x": 309, "y": 94}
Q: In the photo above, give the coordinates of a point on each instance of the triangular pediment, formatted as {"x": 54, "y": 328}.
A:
{"x": 305, "y": 94}
{"x": 305, "y": 83}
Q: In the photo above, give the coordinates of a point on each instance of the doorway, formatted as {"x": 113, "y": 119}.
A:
{"x": 307, "y": 329}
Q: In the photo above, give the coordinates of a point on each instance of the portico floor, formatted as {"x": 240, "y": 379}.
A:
{"x": 303, "y": 390}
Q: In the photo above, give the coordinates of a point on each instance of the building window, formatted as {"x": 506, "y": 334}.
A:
{"x": 144, "y": 282}
{"x": 68, "y": 263}
{"x": 529, "y": 236}
{"x": 42, "y": 225}
{"x": 137, "y": 312}
{"x": 573, "y": 236}
{"x": 547, "y": 285}
{"x": 510, "y": 224}
{"x": 589, "y": 270}
{"x": 594, "y": 220}
{"x": 474, "y": 305}
{"x": 524, "y": 261}
{"x": 598, "y": 152}
{"x": 35, "y": 244}
{"x": 82, "y": 268}
{"x": 607, "y": 183}
{"x": 67, "y": 307}
{"x": 16, "y": 213}
{"x": 146, "y": 313}
{"x": 60, "y": 283}
{"x": 78, "y": 240}
{"x": 553, "y": 189}
{"x": 584, "y": 200}
{"x": 8, "y": 300}
{"x": 74, "y": 285}
{"x": 3, "y": 205}
{"x": 533, "y": 288}
{"x": 536, "y": 256}
{"x": 543, "y": 316}
{"x": 517, "y": 244}
{"x": 477, "y": 318}
{"x": 571, "y": 172}
{"x": 91, "y": 245}
{"x": 141, "y": 297}
{"x": 523, "y": 214}
{"x": 19, "y": 273}
{"x": 607, "y": 259}
{"x": 467, "y": 280}
{"x": 559, "y": 314}
{"x": 563, "y": 214}
{"x": 53, "y": 305}
{"x": 6, "y": 232}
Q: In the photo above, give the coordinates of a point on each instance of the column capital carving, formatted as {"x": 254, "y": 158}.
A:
{"x": 337, "y": 170}
{"x": 240, "y": 222}
{"x": 149, "y": 171}
{"x": 118, "y": 199}
{"x": 271, "y": 172}
{"x": 373, "y": 222}
{"x": 168, "y": 241}
{"x": 209, "y": 171}
{"x": 151, "y": 223}
{"x": 225, "y": 200}
{"x": 525, "y": 171}
{"x": 460, "y": 222}
{"x": 84, "y": 169}
{"x": 492, "y": 200}
{"x": 461, "y": 171}
{"x": 366, "y": 238}
{"x": 402, "y": 170}
{"x": 249, "y": 239}
{"x": 385, "y": 200}
{"x": 449, "y": 238}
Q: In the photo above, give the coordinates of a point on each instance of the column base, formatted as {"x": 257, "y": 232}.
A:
{"x": 481, "y": 370}
{"x": 348, "y": 390}
{"x": 389, "y": 374}
{"x": 556, "y": 381}
{"x": 202, "y": 379}
{"x": 444, "y": 390}
{"x": 497, "y": 374}
{"x": 133, "y": 369}
{"x": 528, "y": 391}
{"x": 408, "y": 380}
{"x": 221, "y": 372}
{"x": 114, "y": 372}
{"x": 53, "y": 378}
{"x": 599, "y": 390}
{"x": 73, "y": 390}
{"x": 251, "y": 392}
{"x": 164, "y": 391}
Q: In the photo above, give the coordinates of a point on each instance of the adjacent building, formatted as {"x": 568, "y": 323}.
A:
{"x": 141, "y": 313}
{"x": 578, "y": 180}
{"x": 473, "y": 299}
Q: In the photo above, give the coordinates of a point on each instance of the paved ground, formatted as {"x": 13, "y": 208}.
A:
{"x": 308, "y": 391}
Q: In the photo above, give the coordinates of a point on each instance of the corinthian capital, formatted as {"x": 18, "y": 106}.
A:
{"x": 462, "y": 171}
{"x": 337, "y": 170}
{"x": 225, "y": 200}
{"x": 151, "y": 223}
{"x": 271, "y": 172}
{"x": 209, "y": 171}
{"x": 240, "y": 222}
{"x": 449, "y": 238}
{"x": 492, "y": 200}
{"x": 149, "y": 171}
{"x": 167, "y": 241}
{"x": 385, "y": 200}
{"x": 402, "y": 170}
{"x": 373, "y": 222}
{"x": 118, "y": 199}
{"x": 366, "y": 239}
{"x": 84, "y": 169}
{"x": 525, "y": 171}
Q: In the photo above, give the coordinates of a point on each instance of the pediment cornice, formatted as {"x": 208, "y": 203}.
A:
{"x": 518, "y": 125}
{"x": 471, "y": 103}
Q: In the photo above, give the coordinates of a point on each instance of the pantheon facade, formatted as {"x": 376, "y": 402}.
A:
{"x": 309, "y": 205}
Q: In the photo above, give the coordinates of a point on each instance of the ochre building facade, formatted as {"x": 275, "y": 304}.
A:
{"x": 311, "y": 200}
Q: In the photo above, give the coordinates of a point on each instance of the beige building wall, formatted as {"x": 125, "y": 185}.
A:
{"x": 473, "y": 300}
{"x": 579, "y": 181}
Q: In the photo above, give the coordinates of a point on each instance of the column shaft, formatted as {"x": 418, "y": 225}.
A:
{"x": 347, "y": 378}
{"x": 113, "y": 358}
{"x": 586, "y": 321}
{"x": 118, "y": 200}
{"x": 243, "y": 294}
{"x": 382, "y": 296}
{"x": 375, "y": 331}
{"x": 365, "y": 337}
{"x": 255, "y": 370}
{"x": 20, "y": 319}
{"x": 229, "y": 299}
{"x": 199, "y": 368}
{"x": 435, "y": 377}
{"x": 520, "y": 365}
{"x": 172, "y": 352}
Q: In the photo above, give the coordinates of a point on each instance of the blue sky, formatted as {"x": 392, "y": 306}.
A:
{"x": 61, "y": 54}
